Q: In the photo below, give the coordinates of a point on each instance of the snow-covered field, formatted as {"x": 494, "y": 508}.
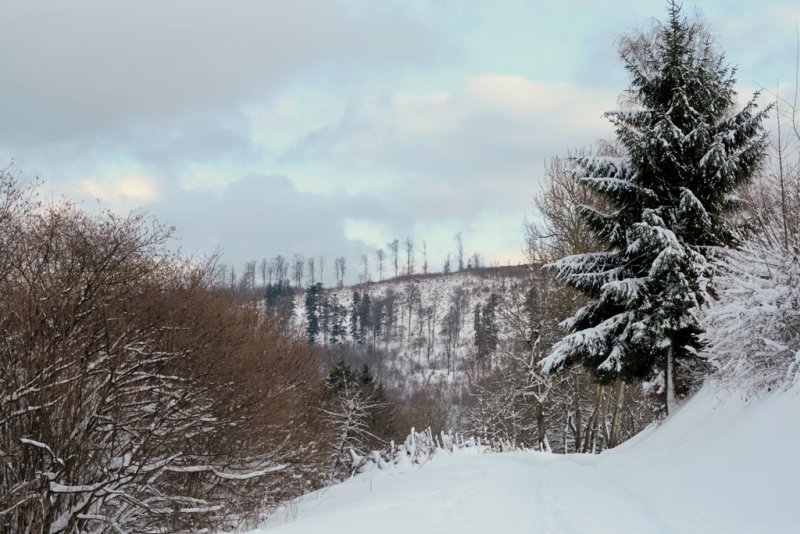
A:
{"x": 717, "y": 466}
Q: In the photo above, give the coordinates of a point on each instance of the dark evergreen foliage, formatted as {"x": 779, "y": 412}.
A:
{"x": 355, "y": 329}
{"x": 687, "y": 150}
{"x": 279, "y": 299}
{"x": 337, "y": 320}
{"x": 313, "y": 311}
{"x": 343, "y": 376}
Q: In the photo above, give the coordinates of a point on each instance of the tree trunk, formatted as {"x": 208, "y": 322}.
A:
{"x": 602, "y": 417}
{"x": 578, "y": 413}
{"x": 591, "y": 423}
{"x": 616, "y": 419}
{"x": 541, "y": 428}
{"x": 669, "y": 384}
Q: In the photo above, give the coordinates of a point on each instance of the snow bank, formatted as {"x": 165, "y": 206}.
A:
{"x": 719, "y": 465}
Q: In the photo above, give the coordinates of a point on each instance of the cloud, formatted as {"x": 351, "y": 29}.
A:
{"x": 122, "y": 193}
{"x": 257, "y": 216}
{"x": 446, "y": 154}
{"x": 431, "y": 164}
{"x": 324, "y": 127}
{"x": 178, "y": 74}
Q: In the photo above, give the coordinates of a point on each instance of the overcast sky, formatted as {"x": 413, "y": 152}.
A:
{"x": 330, "y": 127}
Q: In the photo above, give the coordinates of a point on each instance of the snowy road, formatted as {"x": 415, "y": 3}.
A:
{"x": 703, "y": 471}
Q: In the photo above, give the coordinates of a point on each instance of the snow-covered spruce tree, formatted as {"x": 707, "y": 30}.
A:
{"x": 686, "y": 151}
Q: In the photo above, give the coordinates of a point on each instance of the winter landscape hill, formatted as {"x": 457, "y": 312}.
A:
{"x": 420, "y": 329}
{"x": 719, "y": 465}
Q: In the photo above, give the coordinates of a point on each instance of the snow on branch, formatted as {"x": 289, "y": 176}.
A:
{"x": 592, "y": 341}
{"x": 226, "y": 475}
{"x": 41, "y": 445}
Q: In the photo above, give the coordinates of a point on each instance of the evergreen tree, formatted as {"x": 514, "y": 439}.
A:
{"x": 486, "y": 329}
{"x": 279, "y": 300}
{"x": 343, "y": 376}
{"x": 354, "y": 317}
{"x": 313, "y": 306}
{"x": 337, "y": 318}
{"x": 377, "y": 312}
{"x": 324, "y": 316}
{"x": 366, "y": 377}
{"x": 686, "y": 151}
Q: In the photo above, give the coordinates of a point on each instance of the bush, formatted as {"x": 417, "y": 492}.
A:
{"x": 132, "y": 397}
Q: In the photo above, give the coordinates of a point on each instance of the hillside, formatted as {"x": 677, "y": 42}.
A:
{"x": 704, "y": 470}
{"x": 418, "y": 329}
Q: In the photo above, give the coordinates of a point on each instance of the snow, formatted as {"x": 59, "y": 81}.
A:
{"x": 719, "y": 465}
{"x": 407, "y": 366}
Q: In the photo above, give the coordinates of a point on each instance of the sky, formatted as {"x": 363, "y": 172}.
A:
{"x": 328, "y": 128}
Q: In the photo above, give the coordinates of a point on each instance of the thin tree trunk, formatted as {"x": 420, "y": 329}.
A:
{"x": 591, "y": 423}
{"x": 780, "y": 171}
{"x": 616, "y": 419}
{"x": 541, "y": 427}
{"x": 602, "y": 418}
{"x": 669, "y": 384}
{"x": 578, "y": 413}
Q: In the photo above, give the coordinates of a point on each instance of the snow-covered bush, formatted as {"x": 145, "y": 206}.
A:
{"x": 753, "y": 330}
{"x": 133, "y": 398}
{"x": 753, "y": 327}
{"x": 420, "y": 447}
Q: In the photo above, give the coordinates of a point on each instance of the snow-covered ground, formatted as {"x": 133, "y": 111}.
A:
{"x": 717, "y": 466}
{"x": 414, "y": 351}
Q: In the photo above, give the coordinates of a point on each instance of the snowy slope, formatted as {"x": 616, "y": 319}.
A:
{"x": 408, "y": 364}
{"x": 716, "y": 466}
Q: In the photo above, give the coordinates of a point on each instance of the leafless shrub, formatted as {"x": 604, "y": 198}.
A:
{"x": 132, "y": 398}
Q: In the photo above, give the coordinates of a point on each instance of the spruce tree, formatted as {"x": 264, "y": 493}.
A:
{"x": 313, "y": 296}
{"x": 686, "y": 151}
{"x": 355, "y": 316}
{"x": 364, "y": 317}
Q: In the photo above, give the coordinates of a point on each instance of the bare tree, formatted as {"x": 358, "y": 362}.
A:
{"x": 298, "y": 269}
{"x": 460, "y": 250}
{"x": 264, "y": 268}
{"x": 311, "y": 262}
{"x": 475, "y": 260}
{"x": 340, "y": 267}
{"x": 232, "y": 277}
{"x": 350, "y": 414}
{"x": 562, "y": 231}
{"x": 221, "y": 277}
{"x": 380, "y": 255}
{"x": 281, "y": 269}
{"x": 321, "y": 269}
{"x": 424, "y": 257}
{"x": 409, "y": 256}
{"x": 364, "y": 269}
{"x": 446, "y": 264}
{"x": 452, "y": 324}
{"x": 430, "y": 314}
{"x": 249, "y": 277}
{"x": 394, "y": 250}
